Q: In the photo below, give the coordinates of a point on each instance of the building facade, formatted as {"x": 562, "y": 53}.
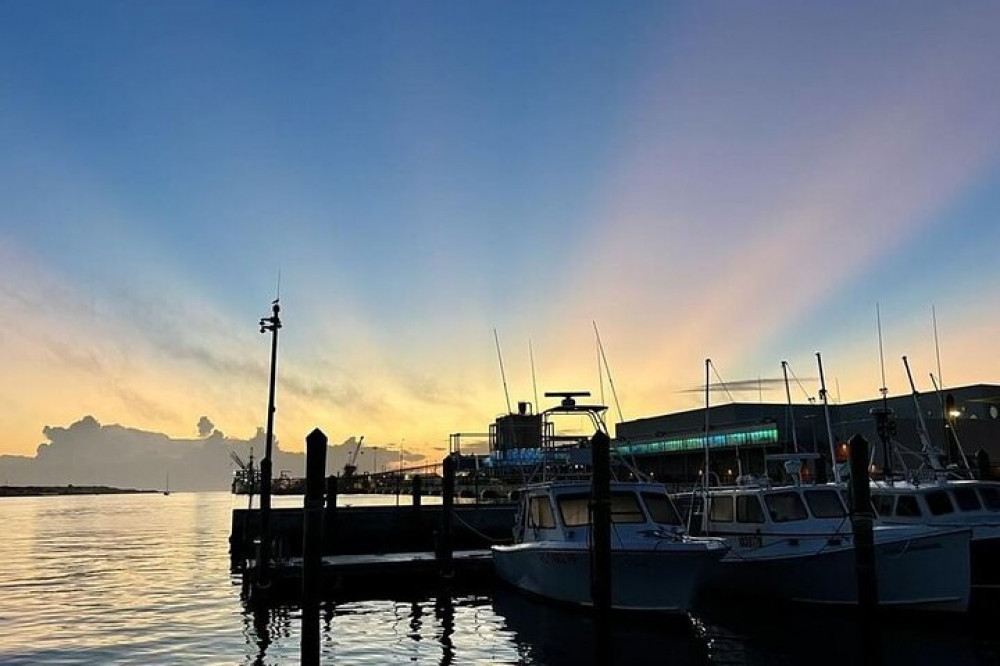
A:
{"x": 963, "y": 423}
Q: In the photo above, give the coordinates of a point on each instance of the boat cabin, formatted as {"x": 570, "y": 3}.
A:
{"x": 937, "y": 503}
{"x": 562, "y": 512}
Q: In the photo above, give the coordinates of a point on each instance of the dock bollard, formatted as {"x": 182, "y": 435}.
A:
{"x": 448, "y": 506}
{"x": 862, "y": 521}
{"x": 312, "y": 542}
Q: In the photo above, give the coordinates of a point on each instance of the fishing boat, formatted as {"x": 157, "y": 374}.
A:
{"x": 794, "y": 542}
{"x": 943, "y": 496}
{"x": 655, "y": 565}
{"x": 948, "y": 503}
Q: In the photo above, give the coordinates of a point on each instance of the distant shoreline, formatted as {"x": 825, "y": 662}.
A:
{"x": 41, "y": 491}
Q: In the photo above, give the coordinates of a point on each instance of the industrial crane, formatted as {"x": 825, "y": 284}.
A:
{"x": 350, "y": 467}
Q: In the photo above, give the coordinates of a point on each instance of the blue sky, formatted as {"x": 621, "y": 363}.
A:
{"x": 736, "y": 180}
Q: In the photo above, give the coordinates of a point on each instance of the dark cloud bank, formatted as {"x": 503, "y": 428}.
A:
{"x": 88, "y": 453}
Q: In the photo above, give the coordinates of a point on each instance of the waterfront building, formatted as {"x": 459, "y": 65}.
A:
{"x": 963, "y": 423}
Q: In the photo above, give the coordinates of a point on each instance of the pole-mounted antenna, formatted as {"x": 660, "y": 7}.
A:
{"x": 268, "y": 325}
{"x": 503, "y": 375}
{"x": 607, "y": 368}
{"x": 534, "y": 384}
{"x": 937, "y": 347}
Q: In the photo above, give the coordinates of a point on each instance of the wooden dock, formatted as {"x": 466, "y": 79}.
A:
{"x": 378, "y": 575}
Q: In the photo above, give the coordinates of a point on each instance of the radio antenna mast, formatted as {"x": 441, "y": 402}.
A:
{"x": 503, "y": 375}
{"x": 534, "y": 385}
{"x": 611, "y": 381}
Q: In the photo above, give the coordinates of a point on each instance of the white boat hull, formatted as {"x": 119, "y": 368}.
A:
{"x": 918, "y": 569}
{"x": 664, "y": 580}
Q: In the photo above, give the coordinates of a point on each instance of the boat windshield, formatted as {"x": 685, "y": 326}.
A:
{"x": 661, "y": 509}
{"x": 939, "y": 503}
{"x": 991, "y": 497}
{"x": 785, "y": 506}
{"x": 907, "y": 506}
{"x": 825, "y": 503}
{"x": 575, "y": 509}
{"x": 967, "y": 499}
{"x": 540, "y": 513}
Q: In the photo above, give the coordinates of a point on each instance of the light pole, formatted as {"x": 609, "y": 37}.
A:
{"x": 268, "y": 324}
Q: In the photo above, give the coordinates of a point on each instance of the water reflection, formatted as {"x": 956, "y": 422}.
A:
{"x": 549, "y": 634}
{"x": 749, "y": 635}
{"x": 444, "y": 613}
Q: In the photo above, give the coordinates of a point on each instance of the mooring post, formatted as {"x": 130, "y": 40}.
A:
{"x": 312, "y": 542}
{"x": 600, "y": 506}
{"x": 862, "y": 521}
{"x": 417, "y": 489}
{"x": 448, "y": 506}
{"x": 330, "y": 514}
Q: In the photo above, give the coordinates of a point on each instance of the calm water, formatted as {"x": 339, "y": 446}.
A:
{"x": 144, "y": 579}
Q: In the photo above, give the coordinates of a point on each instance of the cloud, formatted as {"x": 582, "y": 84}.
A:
{"x": 205, "y": 427}
{"x": 89, "y": 453}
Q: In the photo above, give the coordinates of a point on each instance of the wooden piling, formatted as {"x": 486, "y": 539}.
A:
{"x": 312, "y": 541}
{"x": 862, "y": 522}
{"x": 600, "y": 503}
{"x": 417, "y": 489}
{"x": 444, "y": 550}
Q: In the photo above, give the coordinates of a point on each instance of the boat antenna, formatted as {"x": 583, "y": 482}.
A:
{"x": 826, "y": 413}
{"x": 884, "y": 429}
{"x": 611, "y": 381}
{"x": 791, "y": 413}
{"x": 937, "y": 347}
{"x": 930, "y": 451}
{"x": 503, "y": 375}
{"x": 534, "y": 385}
{"x": 600, "y": 371}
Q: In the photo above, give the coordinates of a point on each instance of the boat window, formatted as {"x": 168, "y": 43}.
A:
{"x": 540, "y": 513}
{"x": 786, "y": 506}
{"x": 882, "y": 504}
{"x": 748, "y": 509}
{"x": 575, "y": 510}
{"x": 967, "y": 499}
{"x": 825, "y": 504}
{"x": 939, "y": 503}
{"x": 720, "y": 509}
{"x": 991, "y": 497}
{"x": 661, "y": 509}
{"x": 907, "y": 506}
{"x": 625, "y": 508}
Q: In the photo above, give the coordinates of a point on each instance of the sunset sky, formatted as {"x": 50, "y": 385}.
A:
{"x": 734, "y": 180}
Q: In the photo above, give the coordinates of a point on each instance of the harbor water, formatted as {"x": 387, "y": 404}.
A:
{"x": 145, "y": 579}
